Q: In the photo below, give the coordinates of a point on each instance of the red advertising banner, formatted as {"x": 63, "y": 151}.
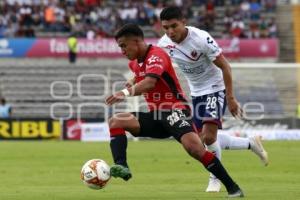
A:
{"x": 86, "y": 48}
{"x": 250, "y": 48}
{"x": 72, "y": 129}
{"x": 107, "y": 47}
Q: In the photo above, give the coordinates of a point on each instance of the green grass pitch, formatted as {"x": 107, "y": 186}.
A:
{"x": 50, "y": 170}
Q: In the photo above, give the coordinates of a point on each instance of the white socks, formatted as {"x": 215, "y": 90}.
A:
{"x": 225, "y": 141}
{"x": 215, "y": 148}
{"x": 231, "y": 142}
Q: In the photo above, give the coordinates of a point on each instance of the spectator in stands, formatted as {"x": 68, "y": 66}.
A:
{"x": 149, "y": 9}
{"x": 5, "y": 109}
{"x": 245, "y": 9}
{"x": 228, "y": 19}
{"x": 255, "y": 9}
{"x": 49, "y": 17}
{"x": 100, "y": 33}
{"x": 272, "y": 28}
{"x": 37, "y": 16}
{"x": 159, "y": 7}
{"x": 128, "y": 13}
{"x": 263, "y": 28}
{"x": 253, "y": 30}
{"x": 237, "y": 28}
{"x": 143, "y": 20}
{"x": 25, "y": 21}
{"x": 234, "y": 48}
{"x": 203, "y": 21}
{"x": 80, "y": 7}
{"x": 61, "y": 24}
{"x": 72, "y": 19}
{"x": 26, "y": 18}
{"x": 90, "y": 35}
{"x": 72, "y": 45}
{"x": 187, "y": 9}
{"x": 210, "y": 11}
{"x": 270, "y": 5}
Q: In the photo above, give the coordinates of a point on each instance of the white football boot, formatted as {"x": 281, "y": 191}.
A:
{"x": 214, "y": 184}
{"x": 257, "y": 147}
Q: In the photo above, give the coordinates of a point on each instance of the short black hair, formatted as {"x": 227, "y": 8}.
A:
{"x": 2, "y": 100}
{"x": 171, "y": 12}
{"x": 129, "y": 30}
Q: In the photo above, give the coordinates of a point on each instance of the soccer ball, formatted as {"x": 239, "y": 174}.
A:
{"x": 95, "y": 174}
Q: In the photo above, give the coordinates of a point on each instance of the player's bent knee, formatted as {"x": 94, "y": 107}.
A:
{"x": 125, "y": 121}
{"x": 113, "y": 122}
{"x": 120, "y": 120}
{"x": 209, "y": 131}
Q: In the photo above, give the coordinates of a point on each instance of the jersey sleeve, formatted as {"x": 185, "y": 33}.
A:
{"x": 155, "y": 65}
{"x": 210, "y": 46}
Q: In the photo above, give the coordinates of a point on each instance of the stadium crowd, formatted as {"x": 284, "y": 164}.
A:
{"x": 101, "y": 18}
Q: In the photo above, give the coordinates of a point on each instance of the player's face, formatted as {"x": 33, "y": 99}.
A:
{"x": 129, "y": 47}
{"x": 175, "y": 29}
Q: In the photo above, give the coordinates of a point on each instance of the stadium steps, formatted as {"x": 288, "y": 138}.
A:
{"x": 268, "y": 87}
{"x": 26, "y": 85}
{"x": 29, "y": 90}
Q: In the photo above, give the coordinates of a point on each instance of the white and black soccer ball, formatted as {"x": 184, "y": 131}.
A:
{"x": 95, "y": 174}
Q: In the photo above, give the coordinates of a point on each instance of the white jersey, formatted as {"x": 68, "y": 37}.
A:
{"x": 195, "y": 56}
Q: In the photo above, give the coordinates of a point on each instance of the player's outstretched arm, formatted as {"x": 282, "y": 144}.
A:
{"x": 141, "y": 87}
{"x": 129, "y": 83}
{"x": 233, "y": 104}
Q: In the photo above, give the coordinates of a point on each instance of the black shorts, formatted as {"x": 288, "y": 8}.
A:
{"x": 164, "y": 124}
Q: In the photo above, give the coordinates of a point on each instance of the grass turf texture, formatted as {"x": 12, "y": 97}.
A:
{"x": 50, "y": 170}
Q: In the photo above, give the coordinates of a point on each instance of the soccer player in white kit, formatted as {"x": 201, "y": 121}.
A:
{"x": 209, "y": 78}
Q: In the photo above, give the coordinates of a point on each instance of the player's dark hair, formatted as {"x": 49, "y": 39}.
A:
{"x": 129, "y": 30}
{"x": 171, "y": 12}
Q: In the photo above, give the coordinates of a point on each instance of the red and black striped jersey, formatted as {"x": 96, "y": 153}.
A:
{"x": 167, "y": 93}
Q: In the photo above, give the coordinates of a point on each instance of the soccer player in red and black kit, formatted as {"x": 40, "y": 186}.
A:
{"x": 169, "y": 113}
